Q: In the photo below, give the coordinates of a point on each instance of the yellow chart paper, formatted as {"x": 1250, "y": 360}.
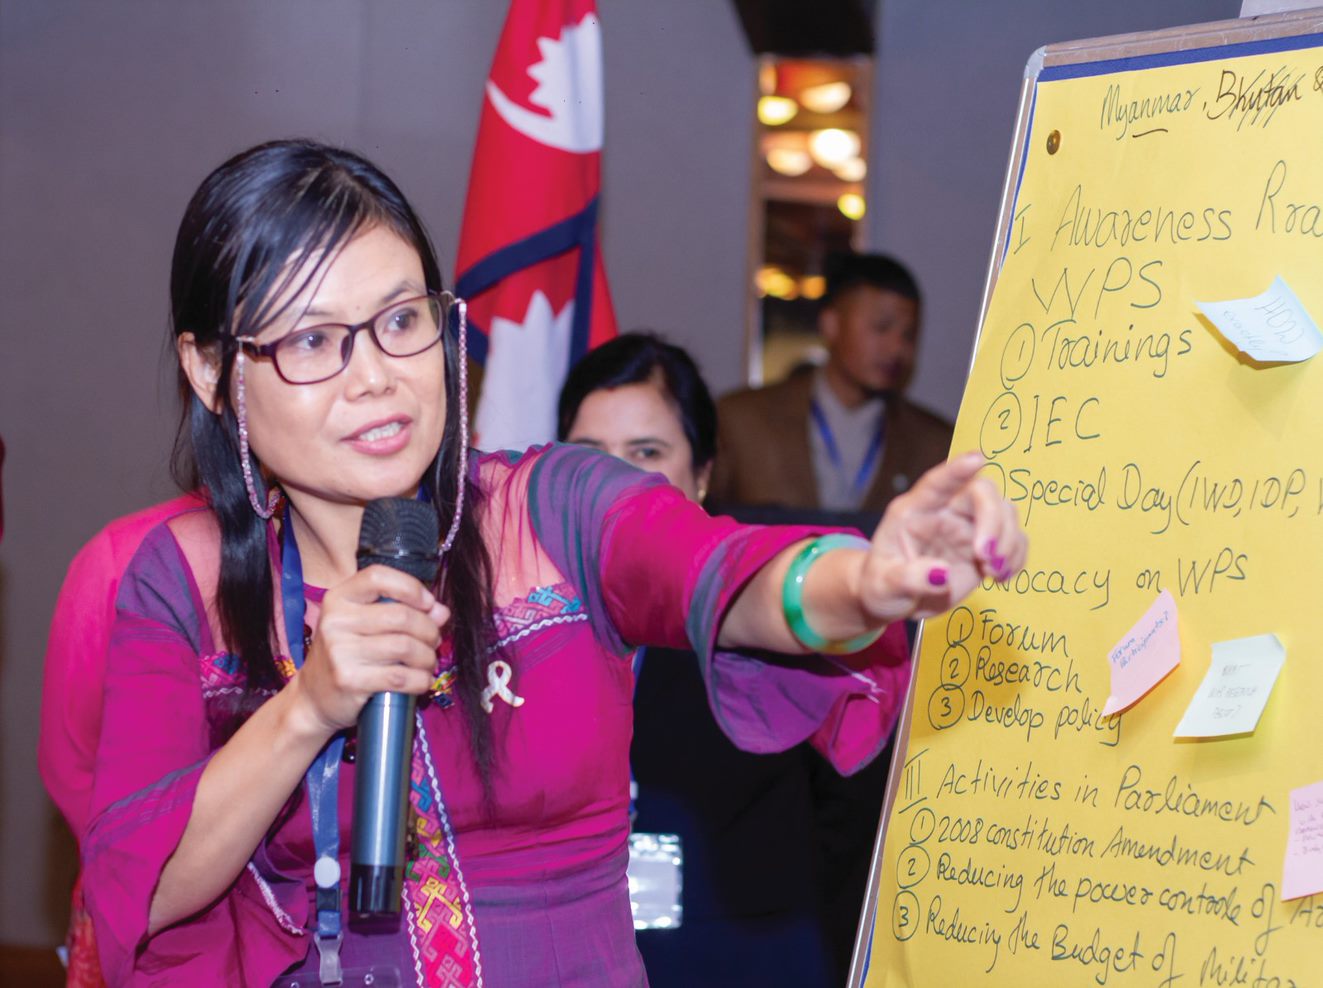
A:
{"x": 1034, "y": 841}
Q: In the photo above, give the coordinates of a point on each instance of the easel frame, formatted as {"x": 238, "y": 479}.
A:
{"x": 1215, "y": 34}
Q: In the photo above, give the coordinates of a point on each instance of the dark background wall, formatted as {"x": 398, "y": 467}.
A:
{"x": 111, "y": 113}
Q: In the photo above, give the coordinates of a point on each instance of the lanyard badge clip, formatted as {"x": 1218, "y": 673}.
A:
{"x": 329, "y": 934}
{"x": 330, "y": 972}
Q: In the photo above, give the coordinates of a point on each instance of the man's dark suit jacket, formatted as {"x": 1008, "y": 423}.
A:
{"x": 764, "y": 457}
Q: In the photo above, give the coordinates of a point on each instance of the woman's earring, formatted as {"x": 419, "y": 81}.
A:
{"x": 462, "y": 356}
{"x": 245, "y": 458}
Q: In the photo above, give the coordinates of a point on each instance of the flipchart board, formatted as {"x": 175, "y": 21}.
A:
{"x": 1069, "y": 804}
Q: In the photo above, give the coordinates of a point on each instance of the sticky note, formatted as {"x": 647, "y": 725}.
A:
{"x": 1273, "y": 327}
{"x": 1147, "y": 652}
{"x": 1232, "y": 696}
{"x": 1302, "y": 872}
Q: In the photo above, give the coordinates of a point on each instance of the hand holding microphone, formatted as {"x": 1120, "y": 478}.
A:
{"x": 374, "y": 651}
{"x": 402, "y": 535}
{"x": 378, "y": 631}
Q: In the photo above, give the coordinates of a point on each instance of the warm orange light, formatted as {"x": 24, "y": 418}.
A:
{"x": 773, "y": 111}
{"x": 827, "y": 97}
{"x": 852, "y": 205}
{"x": 771, "y": 280}
{"x": 791, "y": 162}
{"x": 833, "y": 147}
{"x": 852, "y": 170}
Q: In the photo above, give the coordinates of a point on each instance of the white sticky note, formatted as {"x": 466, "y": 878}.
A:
{"x": 1273, "y": 327}
{"x": 1232, "y": 696}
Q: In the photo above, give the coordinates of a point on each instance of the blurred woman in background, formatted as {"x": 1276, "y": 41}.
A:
{"x": 751, "y": 891}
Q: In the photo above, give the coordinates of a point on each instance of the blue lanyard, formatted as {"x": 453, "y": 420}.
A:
{"x": 323, "y": 776}
{"x": 633, "y": 783}
{"x": 834, "y": 453}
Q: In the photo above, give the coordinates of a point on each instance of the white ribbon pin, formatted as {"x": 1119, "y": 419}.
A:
{"x": 498, "y": 684}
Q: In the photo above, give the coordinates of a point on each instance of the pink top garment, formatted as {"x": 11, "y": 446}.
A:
{"x": 591, "y": 559}
{"x": 76, "y": 657}
{"x": 74, "y": 679}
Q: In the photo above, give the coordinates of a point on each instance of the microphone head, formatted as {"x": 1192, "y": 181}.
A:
{"x": 401, "y": 533}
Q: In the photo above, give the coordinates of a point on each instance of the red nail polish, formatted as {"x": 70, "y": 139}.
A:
{"x": 990, "y": 550}
{"x": 937, "y": 576}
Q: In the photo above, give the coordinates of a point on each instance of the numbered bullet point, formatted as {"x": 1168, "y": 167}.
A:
{"x": 905, "y": 915}
{"x": 1001, "y": 425}
{"x": 1017, "y": 356}
{"x": 912, "y": 866}
{"x": 956, "y": 666}
{"x": 945, "y": 707}
{"x": 923, "y": 825}
{"x": 959, "y": 625}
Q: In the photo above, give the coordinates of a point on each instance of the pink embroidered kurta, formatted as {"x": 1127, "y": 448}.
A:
{"x": 74, "y": 678}
{"x": 591, "y": 559}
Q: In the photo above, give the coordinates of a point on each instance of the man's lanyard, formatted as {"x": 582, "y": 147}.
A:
{"x": 323, "y": 777}
{"x": 834, "y": 452}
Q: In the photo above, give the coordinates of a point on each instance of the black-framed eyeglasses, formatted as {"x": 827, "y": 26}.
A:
{"x": 317, "y": 353}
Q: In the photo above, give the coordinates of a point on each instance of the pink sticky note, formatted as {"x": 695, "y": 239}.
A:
{"x": 1302, "y": 872}
{"x": 1146, "y": 653}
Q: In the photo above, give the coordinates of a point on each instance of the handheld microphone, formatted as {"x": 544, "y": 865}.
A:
{"x": 402, "y": 534}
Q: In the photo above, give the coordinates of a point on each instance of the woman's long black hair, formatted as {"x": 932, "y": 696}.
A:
{"x": 249, "y": 231}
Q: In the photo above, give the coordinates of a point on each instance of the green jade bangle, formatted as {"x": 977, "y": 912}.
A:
{"x": 792, "y": 597}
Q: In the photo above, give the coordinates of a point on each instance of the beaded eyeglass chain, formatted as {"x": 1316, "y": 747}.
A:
{"x": 245, "y": 459}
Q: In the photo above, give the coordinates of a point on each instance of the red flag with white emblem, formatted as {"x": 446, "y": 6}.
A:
{"x": 528, "y": 261}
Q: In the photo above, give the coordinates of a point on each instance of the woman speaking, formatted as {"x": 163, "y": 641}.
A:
{"x": 320, "y": 371}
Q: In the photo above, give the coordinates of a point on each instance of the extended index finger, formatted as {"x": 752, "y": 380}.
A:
{"x": 940, "y": 485}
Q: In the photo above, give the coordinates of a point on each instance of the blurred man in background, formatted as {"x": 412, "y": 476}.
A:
{"x": 835, "y": 444}
{"x": 842, "y": 437}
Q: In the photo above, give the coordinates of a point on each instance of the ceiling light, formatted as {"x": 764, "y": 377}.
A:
{"x": 852, "y": 205}
{"x": 813, "y": 287}
{"x": 833, "y": 147}
{"x": 791, "y": 162}
{"x": 851, "y": 170}
{"x": 771, "y": 280}
{"x": 827, "y": 97}
{"x": 776, "y": 110}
